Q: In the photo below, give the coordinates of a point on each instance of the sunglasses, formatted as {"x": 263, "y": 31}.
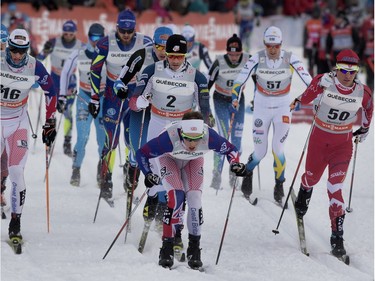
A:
{"x": 344, "y": 71}
{"x": 125, "y": 31}
{"x": 180, "y": 56}
{"x": 159, "y": 47}
{"x": 95, "y": 38}
{"x": 273, "y": 46}
{"x": 16, "y": 50}
{"x": 192, "y": 139}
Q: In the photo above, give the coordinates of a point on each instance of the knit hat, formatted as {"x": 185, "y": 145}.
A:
{"x": 234, "y": 44}
{"x": 347, "y": 59}
{"x": 272, "y": 35}
{"x": 176, "y": 44}
{"x": 126, "y": 20}
{"x": 69, "y": 26}
{"x": 96, "y": 32}
{"x": 19, "y": 38}
{"x": 161, "y": 35}
{"x": 347, "y": 56}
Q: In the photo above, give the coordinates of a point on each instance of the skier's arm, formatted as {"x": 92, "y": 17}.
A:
{"x": 204, "y": 55}
{"x": 203, "y": 95}
{"x": 46, "y": 83}
{"x": 153, "y": 148}
{"x": 244, "y": 75}
{"x": 68, "y": 69}
{"x": 99, "y": 58}
{"x": 133, "y": 66}
{"x": 213, "y": 72}
{"x": 217, "y": 143}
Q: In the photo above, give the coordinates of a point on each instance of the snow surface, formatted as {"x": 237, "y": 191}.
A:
{"x": 75, "y": 246}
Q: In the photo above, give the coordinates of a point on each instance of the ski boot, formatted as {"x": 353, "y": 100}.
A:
{"x": 302, "y": 201}
{"x": 278, "y": 192}
{"x": 76, "y": 177}
{"x": 247, "y": 185}
{"x": 14, "y": 229}
{"x": 216, "y": 180}
{"x": 67, "y": 146}
{"x": 166, "y": 255}
{"x": 106, "y": 187}
{"x": 194, "y": 252}
{"x": 337, "y": 246}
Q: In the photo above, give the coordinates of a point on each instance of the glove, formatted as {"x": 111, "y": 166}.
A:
{"x": 121, "y": 90}
{"x": 361, "y": 133}
{"x": 47, "y": 47}
{"x": 239, "y": 169}
{"x": 211, "y": 120}
{"x": 142, "y": 102}
{"x": 234, "y": 106}
{"x": 94, "y": 106}
{"x": 61, "y": 104}
{"x": 295, "y": 105}
{"x": 151, "y": 180}
{"x": 326, "y": 80}
{"x": 49, "y": 132}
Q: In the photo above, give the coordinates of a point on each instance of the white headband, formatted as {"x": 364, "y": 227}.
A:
{"x": 192, "y": 126}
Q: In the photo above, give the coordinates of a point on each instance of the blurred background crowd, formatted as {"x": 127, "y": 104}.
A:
{"x": 293, "y": 8}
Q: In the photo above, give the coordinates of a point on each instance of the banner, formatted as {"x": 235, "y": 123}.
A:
{"x": 212, "y": 29}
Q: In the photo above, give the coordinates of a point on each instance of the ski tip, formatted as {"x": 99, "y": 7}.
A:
{"x": 253, "y": 202}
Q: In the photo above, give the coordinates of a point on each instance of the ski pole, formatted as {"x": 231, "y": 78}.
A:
{"x": 109, "y": 156}
{"x": 349, "y": 209}
{"x": 125, "y": 223}
{"x": 135, "y": 174}
{"x": 276, "y": 231}
{"x": 33, "y": 135}
{"x": 226, "y": 221}
{"x": 47, "y": 188}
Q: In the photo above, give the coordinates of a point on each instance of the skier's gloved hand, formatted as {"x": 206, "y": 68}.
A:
{"x": 151, "y": 180}
{"x": 361, "y": 133}
{"x": 232, "y": 110}
{"x": 47, "y": 48}
{"x": 49, "y": 132}
{"x": 234, "y": 106}
{"x": 94, "y": 106}
{"x": 120, "y": 89}
{"x": 295, "y": 105}
{"x": 142, "y": 102}
{"x": 239, "y": 169}
{"x": 61, "y": 104}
